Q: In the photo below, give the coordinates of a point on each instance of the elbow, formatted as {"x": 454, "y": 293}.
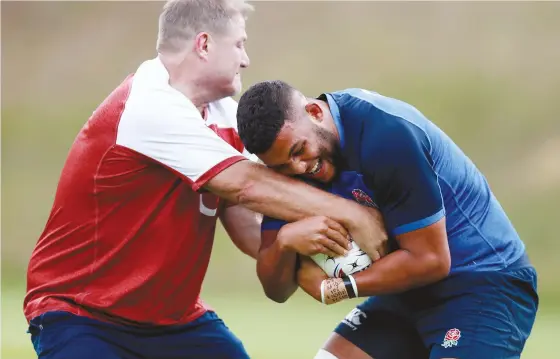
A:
{"x": 250, "y": 252}
{"x": 439, "y": 266}
{"x": 275, "y": 292}
{"x": 442, "y": 266}
{"x": 276, "y": 297}
{"x": 443, "y": 269}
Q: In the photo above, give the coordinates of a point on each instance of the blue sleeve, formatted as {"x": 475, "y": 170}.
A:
{"x": 269, "y": 223}
{"x": 397, "y": 162}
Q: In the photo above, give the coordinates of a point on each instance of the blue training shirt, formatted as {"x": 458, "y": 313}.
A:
{"x": 402, "y": 163}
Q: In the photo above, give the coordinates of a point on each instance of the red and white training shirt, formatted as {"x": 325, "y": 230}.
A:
{"x": 129, "y": 237}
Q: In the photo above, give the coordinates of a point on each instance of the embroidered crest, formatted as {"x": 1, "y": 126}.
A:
{"x": 362, "y": 198}
{"x": 451, "y": 338}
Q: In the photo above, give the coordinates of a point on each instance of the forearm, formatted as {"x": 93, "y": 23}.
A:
{"x": 276, "y": 269}
{"x": 400, "y": 271}
{"x": 265, "y": 191}
{"x": 285, "y": 198}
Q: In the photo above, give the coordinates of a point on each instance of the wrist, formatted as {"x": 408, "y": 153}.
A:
{"x": 283, "y": 242}
{"x": 354, "y": 217}
{"x": 350, "y": 285}
{"x": 334, "y": 290}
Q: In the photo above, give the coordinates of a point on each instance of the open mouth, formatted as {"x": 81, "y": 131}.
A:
{"x": 317, "y": 167}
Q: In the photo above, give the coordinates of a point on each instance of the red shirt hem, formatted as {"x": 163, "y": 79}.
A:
{"x": 49, "y": 304}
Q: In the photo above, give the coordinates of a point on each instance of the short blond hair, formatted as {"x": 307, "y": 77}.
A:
{"x": 182, "y": 20}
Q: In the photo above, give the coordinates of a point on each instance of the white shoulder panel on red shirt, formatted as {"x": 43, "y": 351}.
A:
{"x": 161, "y": 123}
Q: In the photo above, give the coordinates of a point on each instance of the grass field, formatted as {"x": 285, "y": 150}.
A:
{"x": 269, "y": 330}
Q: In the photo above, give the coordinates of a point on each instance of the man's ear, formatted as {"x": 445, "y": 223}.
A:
{"x": 202, "y": 44}
{"x": 315, "y": 111}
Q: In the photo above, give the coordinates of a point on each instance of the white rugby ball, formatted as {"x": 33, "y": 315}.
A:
{"x": 336, "y": 267}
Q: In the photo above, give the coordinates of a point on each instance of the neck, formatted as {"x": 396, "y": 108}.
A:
{"x": 184, "y": 77}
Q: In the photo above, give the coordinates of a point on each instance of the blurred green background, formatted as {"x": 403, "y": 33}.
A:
{"x": 487, "y": 73}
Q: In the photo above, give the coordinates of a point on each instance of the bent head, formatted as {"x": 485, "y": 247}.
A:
{"x": 289, "y": 132}
{"x": 211, "y": 35}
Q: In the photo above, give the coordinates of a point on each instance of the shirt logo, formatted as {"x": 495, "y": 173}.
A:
{"x": 354, "y": 318}
{"x": 451, "y": 338}
{"x": 362, "y": 198}
{"x": 208, "y": 204}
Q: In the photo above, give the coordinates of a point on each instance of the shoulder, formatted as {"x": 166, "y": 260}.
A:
{"x": 359, "y": 98}
{"x": 154, "y": 107}
{"x": 389, "y": 141}
{"x": 393, "y": 142}
{"x": 393, "y": 131}
{"x": 151, "y": 93}
{"x": 386, "y": 121}
{"x": 155, "y": 114}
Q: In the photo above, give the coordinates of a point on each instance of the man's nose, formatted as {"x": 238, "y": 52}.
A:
{"x": 245, "y": 62}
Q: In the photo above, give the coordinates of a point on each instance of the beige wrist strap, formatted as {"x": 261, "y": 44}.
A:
{"x": 333, "y": 290}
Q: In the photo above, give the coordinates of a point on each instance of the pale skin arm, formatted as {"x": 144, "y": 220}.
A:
{"x": 276, "y": 268}
{"x": 244, "y": 228}
{"x": 265, "y": 191}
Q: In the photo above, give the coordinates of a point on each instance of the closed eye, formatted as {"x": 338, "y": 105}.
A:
{"x": 298, "y": 151}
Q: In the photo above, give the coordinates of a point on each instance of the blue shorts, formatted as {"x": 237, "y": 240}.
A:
{"x": 476, "y": 315}
{"x": 61, "y": 335}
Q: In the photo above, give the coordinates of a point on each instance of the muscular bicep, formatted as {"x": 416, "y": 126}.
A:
{"x": 427, "y": 241}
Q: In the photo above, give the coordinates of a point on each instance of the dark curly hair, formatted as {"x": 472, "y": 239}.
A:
{"x": 261, "y": 113}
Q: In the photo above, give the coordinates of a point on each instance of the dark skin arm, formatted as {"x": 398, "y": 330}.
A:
{"x": 277, "y": 258}
{"x": 243, "y": 226}
{"x": 423, "y": 258}
{"x": 276, "y": 268}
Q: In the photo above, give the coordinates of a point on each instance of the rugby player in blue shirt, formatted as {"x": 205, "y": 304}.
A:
{"x": 458, "y": 283}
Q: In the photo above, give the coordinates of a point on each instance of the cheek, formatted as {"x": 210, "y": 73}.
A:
{"x": 312, "y": 152}
{"x": 231, "y": 62}
{"x": 224, "y": 60}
